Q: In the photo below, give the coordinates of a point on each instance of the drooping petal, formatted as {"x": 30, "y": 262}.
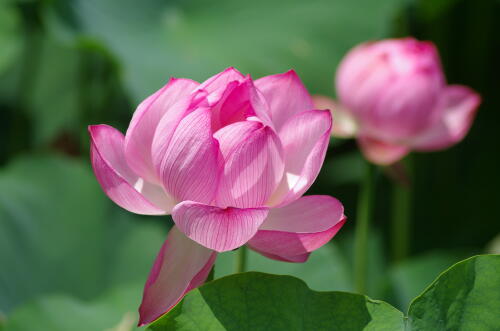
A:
{"x": 291, "y": 232}
{"x": 459, "y": 105}
{"x": 305, "y": 139}
{"x": 141, "y": 130}
{"x": 285, "y": 95}
{"x": 380, "y": 152}
{"x": 191, "y": 164}
{"x": 118, "y": 181}
{"x": 344, "y": 124}
{"x": 181, "y": 265}
{"x": 253, "y": 164}
{"x": 220, "y": 229}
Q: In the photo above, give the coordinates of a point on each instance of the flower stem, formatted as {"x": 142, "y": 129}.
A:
{"x": 401, "y": 216}
{"x": 362, "y": 226}
{"x": 241, "y": 259}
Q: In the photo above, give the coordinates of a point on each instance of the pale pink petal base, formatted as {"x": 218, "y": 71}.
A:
{"x": 380, "y": 152}
{"x": 292, "y": 232}
{"x": 459, "y": 104}
{"x": 220, "y": 229}
{"x": 117, "y": 180}
{"x": 180, "y": 266}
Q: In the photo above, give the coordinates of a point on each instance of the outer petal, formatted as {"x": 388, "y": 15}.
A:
{"x": 459, "y": 105}
{"x": 220, "y": 229}
{"x": 286, "y": 96}
{"x": 305, "y": 139}
{"x": 291, "y": 232}
{"x": 380, "y": 152}
{"x": 344, "y": 124}
{"x": 180, "y": 266}
{"x": 141, "y": 130}
{"x": 253, "y": 164}
{"x": 191, "y": 165}
{"x": 117, "y": 180}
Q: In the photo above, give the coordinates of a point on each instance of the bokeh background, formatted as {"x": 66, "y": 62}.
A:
{"x": 72, "y": 260}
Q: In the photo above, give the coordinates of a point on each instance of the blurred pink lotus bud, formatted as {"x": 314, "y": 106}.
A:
{"x": 393, "y": 97}
{"x": 230, "y": 159}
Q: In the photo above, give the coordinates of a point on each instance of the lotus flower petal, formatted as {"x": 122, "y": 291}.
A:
{"x": 380, "y": 152}
{"x": 191, "y": 164}
{"x": 291, "y": 232}
{"x": 180, "y": 266}
{"x": 459, "y": 105}
{"x": 141, "y": 130}
{"x": 221, "y": 80}
{"x": 220, "y": 229}
{"x": 305, "y": 139}
{"x": 118, "y": 181}
{"x": 285, "y": 95}
{"x": 253, "y": 159}
{"x": 239, "y": 102}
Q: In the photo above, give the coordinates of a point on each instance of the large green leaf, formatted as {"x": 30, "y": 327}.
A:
{"x": 156, "y": 39}
{"x": 465, "y": 297}
{"x": 256, "y": 301}
{"x": 60, "y": 233}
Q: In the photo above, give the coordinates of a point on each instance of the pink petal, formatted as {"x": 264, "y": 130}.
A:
{"x": 285, "y": 95}
{"x": 291, "y": 232}
{"x": 220, "y": 229}
{"x": 141, "y": 130}
{"x": 293, "y": 259}
{"x": 238, "y": 103}
{"x": 459, "y": 106}
{"x": 221, "y": 80}
{"x": 305, "y": 139}
{"x": 181, "y": 265}
{"x": 117, "y": 180}
{"x": 344, "y": 124}
{"x": 380, "y": 152}
{"x": 191, "y": 164}
{"x": 169, "y": 122}
{"x": 233, "y": 106}
{"x": 253, "y": 159}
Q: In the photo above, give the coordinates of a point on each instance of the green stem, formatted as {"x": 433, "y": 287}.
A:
{"x": 241, "y": 259}
{"x": 401, "y": 216}
{"x": 362, "y": 226}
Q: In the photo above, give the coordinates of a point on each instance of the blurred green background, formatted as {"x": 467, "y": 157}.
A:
{"x": 71, "y": 260}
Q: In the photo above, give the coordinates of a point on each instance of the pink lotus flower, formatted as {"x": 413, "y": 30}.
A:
{"x": 394, "y": 98}
{"x": 230, "y": 159}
